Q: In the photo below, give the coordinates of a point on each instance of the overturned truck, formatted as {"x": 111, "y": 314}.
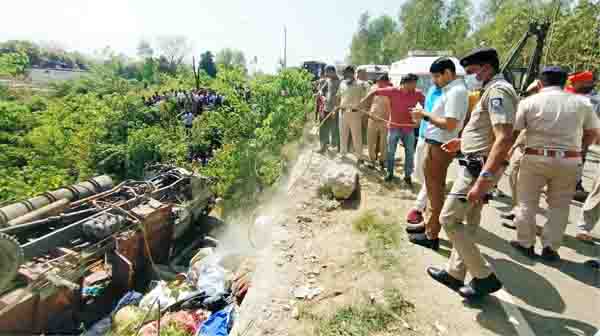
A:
{"x": 67, "y": 255}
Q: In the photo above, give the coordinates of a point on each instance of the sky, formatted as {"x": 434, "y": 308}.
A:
{"x": 316, "y": 29}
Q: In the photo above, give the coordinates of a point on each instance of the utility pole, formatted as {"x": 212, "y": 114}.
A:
{"x": 284, "y": 47}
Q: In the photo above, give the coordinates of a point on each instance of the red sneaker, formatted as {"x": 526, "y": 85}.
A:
{"x": 414, "y": 217}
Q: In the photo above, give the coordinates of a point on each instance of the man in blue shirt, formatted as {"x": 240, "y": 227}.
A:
{"x": 415, "y": 216}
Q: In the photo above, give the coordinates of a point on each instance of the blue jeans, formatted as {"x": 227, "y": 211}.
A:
{"x": 408, "y": 140}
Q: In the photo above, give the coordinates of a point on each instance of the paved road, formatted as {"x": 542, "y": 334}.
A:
{"x": 549, "y": 299}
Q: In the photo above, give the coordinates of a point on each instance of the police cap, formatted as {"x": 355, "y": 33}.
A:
{"x": 553, "y": 69}
{"x": 481, "y": 56}
{"x": 383, "y": 77}
{"x": 329, "y": 68}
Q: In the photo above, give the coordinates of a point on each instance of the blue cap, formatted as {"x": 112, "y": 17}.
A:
{"x": 553, "y": 69}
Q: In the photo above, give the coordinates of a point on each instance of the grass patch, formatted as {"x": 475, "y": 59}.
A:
{"x": 325, "y": 192}
{"x": 382, "y": 236}
{"x": 364, "y": 319}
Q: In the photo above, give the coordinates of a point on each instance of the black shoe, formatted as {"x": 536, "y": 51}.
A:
{"x": 389, "y": 178}
{"x": 415, "y": 228}
{"x": 421, "y": 239}
{"x": 579, "y": 187}
{"x": 480, "y": 287}
{"x": 527, "y": 251}
{"x": 510, "y": 217}
{"x": 381, "y": 165}
{"x": 445, "y": 279}
{"x": 408, "y": 181}
{"x": 593, "y": 263}
{"x": 549, "y": 254}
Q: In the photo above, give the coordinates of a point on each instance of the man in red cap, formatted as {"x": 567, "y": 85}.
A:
{"x": 582, "y": 83}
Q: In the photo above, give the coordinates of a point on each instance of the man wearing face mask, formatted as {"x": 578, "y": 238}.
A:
{"x": 582, "y": 83}
{"x": 485, "y": 142}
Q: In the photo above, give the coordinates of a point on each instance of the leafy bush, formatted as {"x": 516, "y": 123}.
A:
{"x": 99, "y": 124}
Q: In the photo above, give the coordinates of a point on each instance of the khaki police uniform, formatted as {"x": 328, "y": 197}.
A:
{"x": 459, "y": 218}
{"x": 329, "y": 134}
{"x": 351, "y": 93}
{"x": 554, "y": 121}
{"x": 377, "y": 128}
{"x": 515, "y": 164}
{"x": 591, "y": 209}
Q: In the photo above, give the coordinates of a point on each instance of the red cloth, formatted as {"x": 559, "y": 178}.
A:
{"x": 570, "y": 89}
{"x": 402, "y": 102}
{"x": 321, "y": 106}
{"x": 584, "y": 76}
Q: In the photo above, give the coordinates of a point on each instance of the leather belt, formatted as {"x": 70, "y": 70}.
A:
{"x": 553, "y": 153}
{"x": 433, "y": 142}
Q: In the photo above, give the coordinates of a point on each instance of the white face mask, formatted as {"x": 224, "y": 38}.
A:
{"x": 472, "y": 82}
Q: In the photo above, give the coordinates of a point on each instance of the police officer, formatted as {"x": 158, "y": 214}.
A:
{"x": 485, "y": 142}
{"x": 329, "y": 134}
{"x": 582, "y": 83}
{"x": 350, "y": 94}
{"x": 555, "y": 122}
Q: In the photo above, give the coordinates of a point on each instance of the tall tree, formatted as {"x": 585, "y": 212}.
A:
{"x": 207, "y": 64}
{"x": 231, "y": 58}
{"x": 174, "y": 48}
{"x": 359, "y": 49}
{"x": 458, "y": 25}
{"x": 144, "y": 50}
{"x": 422, "y": 24}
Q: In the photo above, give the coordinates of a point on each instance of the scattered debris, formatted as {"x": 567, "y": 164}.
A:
{"x": 303, "y": 219}
{"x": 90, "y": 243}
{"x": 306, "y": 292}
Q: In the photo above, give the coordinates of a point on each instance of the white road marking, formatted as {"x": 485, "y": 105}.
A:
{"x": 514, "y": 314}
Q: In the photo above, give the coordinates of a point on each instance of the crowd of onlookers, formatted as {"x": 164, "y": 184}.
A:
{"x": 191, "y": 104}
{"x": 189, "y": 100}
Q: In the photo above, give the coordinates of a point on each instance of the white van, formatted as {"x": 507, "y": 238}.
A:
{"x": 374, "y": 70}
{"x": 418, "y": 63}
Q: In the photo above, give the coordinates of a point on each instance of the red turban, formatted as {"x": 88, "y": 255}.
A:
{"x": 581, "y": 76}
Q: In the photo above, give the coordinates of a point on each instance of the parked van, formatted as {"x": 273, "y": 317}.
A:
{"x": 418, "y": 63}
{"x": 374, "y": 71}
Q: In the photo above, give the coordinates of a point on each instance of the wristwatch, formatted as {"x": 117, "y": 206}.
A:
{"x": 426, "y": 118}
{"x": 486, "y": 175}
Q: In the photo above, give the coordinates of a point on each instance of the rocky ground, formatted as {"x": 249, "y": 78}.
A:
{"x": 346, "y": 268}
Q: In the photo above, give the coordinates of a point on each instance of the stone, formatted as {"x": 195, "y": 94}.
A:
{"x": 341, "y": 179}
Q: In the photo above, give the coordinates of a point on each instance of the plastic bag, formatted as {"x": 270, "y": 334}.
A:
{"x": 218, "y": 324}
{"x": 209, "y": 277}
{"x": 161, "y": 294}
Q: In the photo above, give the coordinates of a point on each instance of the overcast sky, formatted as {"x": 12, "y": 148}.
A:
{"x": 317, "y": 29}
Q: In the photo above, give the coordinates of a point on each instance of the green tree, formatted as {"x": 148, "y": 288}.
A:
{"x": 173, "y": 49}
{"x": 230, "y": 58}
{"x": 359, "y": 48}
{"x": 458, "y": 26}
{"x": 13, "y": 64}
{"x": 144, "y": 50}
{"x": 207, "y": 64}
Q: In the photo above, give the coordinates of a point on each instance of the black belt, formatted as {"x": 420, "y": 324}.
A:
{"x": 433, "y": 142}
